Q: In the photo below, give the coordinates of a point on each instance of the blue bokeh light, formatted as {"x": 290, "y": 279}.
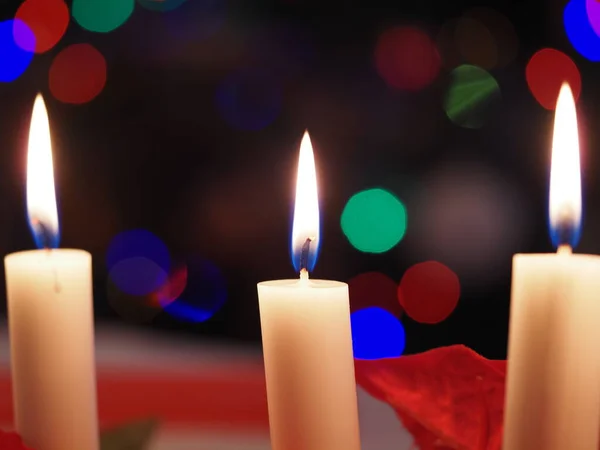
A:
{"x": 580, "y": 31}
{"x": 138, "y": 261}
{"x": 204, "y": 294}
{"x": 137, "y": 276}
{"x": 376, "y": 334}
{"x": 249, "y": 99}
{"x": 17, "y": 44}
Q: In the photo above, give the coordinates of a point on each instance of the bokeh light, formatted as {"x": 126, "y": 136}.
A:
{"x": 249, "y": 99}
{"x": 17, "y": 43}
{"x": 546, "y": 71}
{"x": 47, "y": 19}
{"x": 138, "y": 262}
{"x": 102, "y": 16}
{"x": 374, "y": 220}
{"x": 172, "y": 288}
{"x": 580, "y": 31}
{"x": 372, "y": 289}
{"x": 204, "y": 294}
{"x": 476, "y": 43}
{"x": 502, "y": 31}
{"x": 429, "y": 292}
{"x": 161, "y": 5}
{"x": 472, "y": 95}
{"x": 471, "y": 218}
{"x": 407, "y": 58}
{"x": 77, "y": 74}
{"x": 593, "y": 12}
{"x": 376, "y": 334}
{"x": 137, "y": 276}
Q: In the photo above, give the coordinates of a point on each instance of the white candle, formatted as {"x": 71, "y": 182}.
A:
{"x": 553, "y": 381}
{"x": 50, "y": 315}
{"x": 307, "y": 342}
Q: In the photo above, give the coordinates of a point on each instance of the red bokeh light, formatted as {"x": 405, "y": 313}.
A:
{"x": 372, "y": 289}
{"x": 545, "y": 73}
{"x": 48, "y": 19}
{"x": 407, "y": 58}
{"x": 429, "y": 292}
{"x": 77, "y": 74}
{"x": 172, "y": 289}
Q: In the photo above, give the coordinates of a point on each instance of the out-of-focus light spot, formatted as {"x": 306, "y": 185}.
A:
{"x": 429, "y": 292}
{"x": 249, "y": 100}
{"x": 501, "y": 30}
{"x": 138, "y": 262}
{"x": 137, "y": 276}
{"x": 47, "y": 19}
{"x": 77, "y": 74}
{"x": 471, "y": 96}
{"x": 372, "y": 289}
{"x": 172, "y": 288}
{"x": 17, "y": 43}
{"x": 476, "y": 43}
{"x": 161, "y": 5}
{"x": 580, "y": 31}
{"x": 376, "y": 334}
{"x": 593, "y": 12}
{"x": 546, "y": 71}
{"x": 471, "y": 218}
{"x": 374, "y": 221}
{"x": 407, "y": 58}
{"x": 102, "y": 16}
{"x": 196, "y": 20}
{"x": 204, "y": 294}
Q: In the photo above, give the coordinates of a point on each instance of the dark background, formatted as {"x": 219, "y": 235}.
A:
{"x": 152, "y": 151}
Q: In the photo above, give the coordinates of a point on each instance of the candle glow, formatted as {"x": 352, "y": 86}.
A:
{"x": 565, "y": 173}
{"x": 305, "y": 229}
{"x": 41, "y": 198}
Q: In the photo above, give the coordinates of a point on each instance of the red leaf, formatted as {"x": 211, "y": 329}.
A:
{"x": 449, "y": 398}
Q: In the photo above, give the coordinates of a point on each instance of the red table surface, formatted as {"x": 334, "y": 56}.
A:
{"x": 233, "y": 397}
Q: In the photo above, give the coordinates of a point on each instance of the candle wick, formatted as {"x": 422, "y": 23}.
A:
{"x": 304, "y": 254}
{"x": 43, "y": 234}
{"x": 564, "y": 249}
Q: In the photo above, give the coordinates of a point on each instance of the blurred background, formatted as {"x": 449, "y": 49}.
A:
{"x": 176, "y": 126}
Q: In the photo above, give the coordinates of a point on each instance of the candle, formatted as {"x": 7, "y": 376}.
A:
{"x": 307, "y": 343}
{"x": 553, "y": 380}
{"x": 50, "y": 318}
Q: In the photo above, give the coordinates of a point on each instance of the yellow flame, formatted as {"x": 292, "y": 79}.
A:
{"x": 306, "y": 208}
{"x": 565, "y": 172}
{"x": 41, "y": 198}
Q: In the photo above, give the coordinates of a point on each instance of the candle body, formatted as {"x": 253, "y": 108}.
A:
{"x": 309, "y": 365}
{"x": 553, "y": 381}
{"x": 50, "y": 313}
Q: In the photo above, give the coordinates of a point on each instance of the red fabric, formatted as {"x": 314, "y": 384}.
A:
{"x": 449, "y": 398}
{"x": 11, "y": 441}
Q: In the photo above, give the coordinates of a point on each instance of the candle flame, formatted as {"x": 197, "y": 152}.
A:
{"x": 305, "y": 230}
{"x": 565, "y": 173}
{"x": 41, "y": 198}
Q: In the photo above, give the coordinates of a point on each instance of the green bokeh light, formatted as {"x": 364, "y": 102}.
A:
{"x": 472, "y": 94}
{"x": 374, "y": 221}
{"x": 102, "y": 16}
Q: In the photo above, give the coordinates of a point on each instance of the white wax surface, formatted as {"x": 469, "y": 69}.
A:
{"x": 309, "y": 365}
{"x": 50, "y": 312}
{"x": 553, "y": 383}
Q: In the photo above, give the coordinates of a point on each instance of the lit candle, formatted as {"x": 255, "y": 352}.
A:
{"x": 307, "y": 343}
{"x": 553, "y": 384}
{"x": 50, "y": 315}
